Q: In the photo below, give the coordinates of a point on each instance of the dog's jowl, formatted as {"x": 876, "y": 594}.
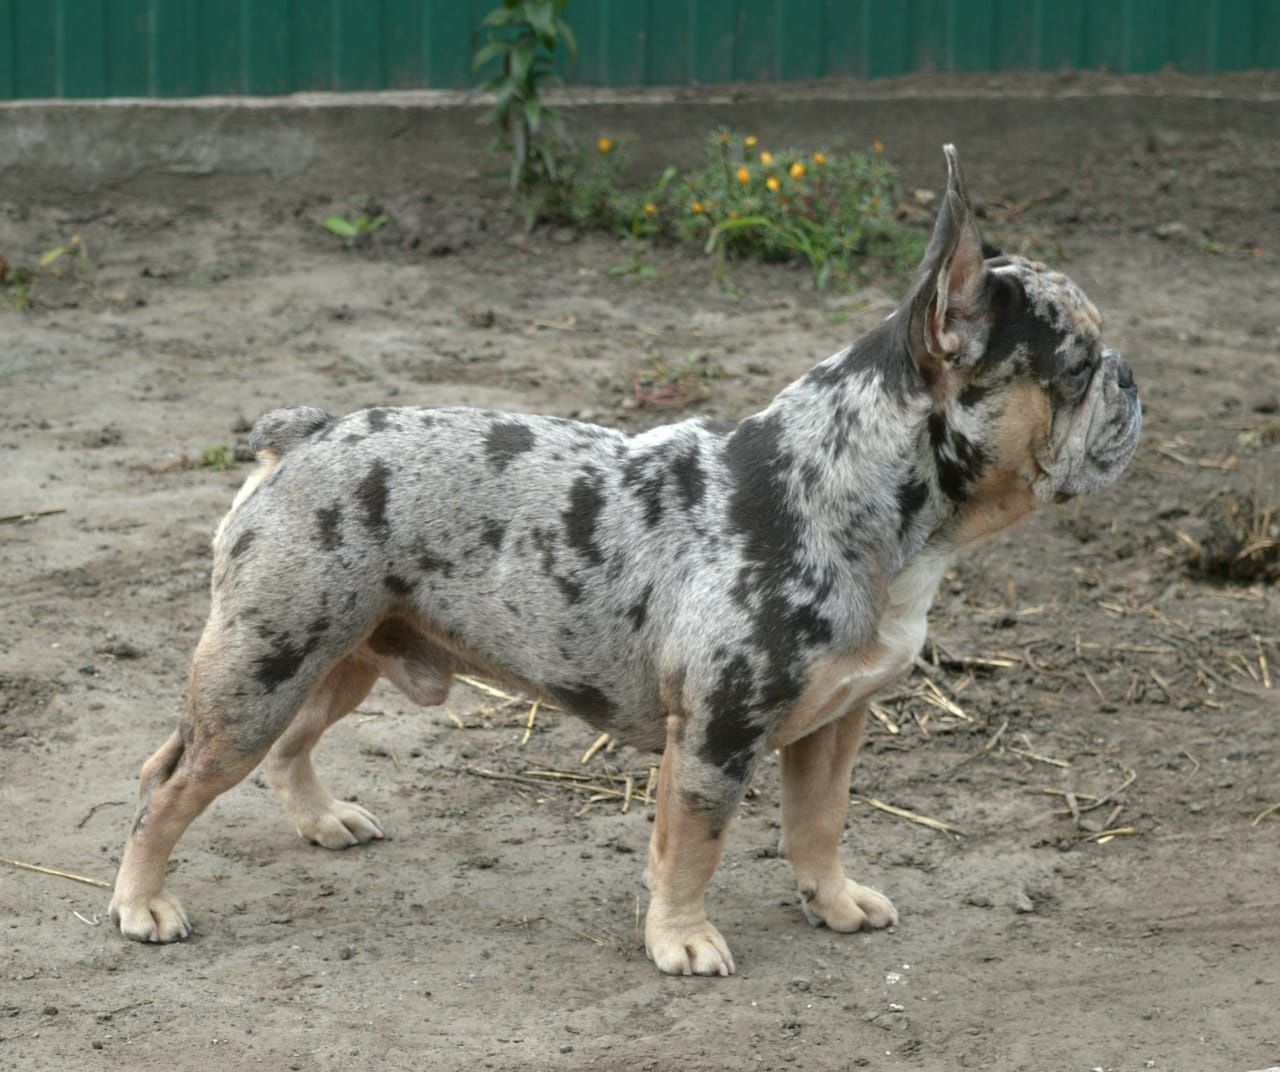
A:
{"x": 711, "y": 593}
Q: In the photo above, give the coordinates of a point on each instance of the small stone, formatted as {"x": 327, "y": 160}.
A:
{"x": 97, "y": 1045}
{"x": 51, "y": 1010}
{"x": 1172, "y": 229}
{"x": 346, "y": 953}
{"x": 1022, "y": 903}
{"x": 800, "y": 983}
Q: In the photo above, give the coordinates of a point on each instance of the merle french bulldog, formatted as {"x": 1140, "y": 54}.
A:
{"x": 712, "y": 593}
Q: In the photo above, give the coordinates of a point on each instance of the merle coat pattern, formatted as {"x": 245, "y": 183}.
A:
{"x": 713, "y": 592}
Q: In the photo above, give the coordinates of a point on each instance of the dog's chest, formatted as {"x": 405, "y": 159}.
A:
{"x": 839, "y": 684}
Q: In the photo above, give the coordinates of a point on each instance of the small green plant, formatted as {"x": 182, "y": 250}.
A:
{"x": 526, "y": 35}
{"x": 217, "y": 457}
{"x": 70, "y": 259}
{"x": 355, "y": 227}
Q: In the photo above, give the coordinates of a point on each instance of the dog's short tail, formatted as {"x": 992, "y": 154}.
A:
{"x": 281, "y": 429}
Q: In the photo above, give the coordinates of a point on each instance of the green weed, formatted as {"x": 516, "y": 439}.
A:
{"x": 525, "y": 36}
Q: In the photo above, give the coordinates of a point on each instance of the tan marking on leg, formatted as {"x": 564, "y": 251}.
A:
{"x": 815, "y": 804}
{"x": 177, "y": 784}
{"x": 683, "y": 854}
{"x": 318, "y": 816}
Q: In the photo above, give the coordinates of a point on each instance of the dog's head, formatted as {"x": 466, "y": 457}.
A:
{"x": 1029, "y": 405}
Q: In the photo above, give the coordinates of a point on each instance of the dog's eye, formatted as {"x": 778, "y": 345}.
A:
{"x": 1080, "y": 368}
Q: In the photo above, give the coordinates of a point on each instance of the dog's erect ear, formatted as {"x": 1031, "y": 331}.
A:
{"x": 949, "y": 281}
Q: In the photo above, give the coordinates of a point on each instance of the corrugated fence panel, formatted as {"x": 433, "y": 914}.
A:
{"x": 174, "y": 48}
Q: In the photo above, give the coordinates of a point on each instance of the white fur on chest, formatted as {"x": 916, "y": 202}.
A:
{"x": 840, "y": 686}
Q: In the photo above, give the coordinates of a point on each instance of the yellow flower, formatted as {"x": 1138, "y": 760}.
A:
{"x": 820, "y": 159}
{"x": 798, "y": 170}
{"x": 773, "y": 183}
{"x": 650, "y": 209}
{"x": 878, "y": 145}
{"x": 696, "y": 208}
{"x": 766, "y": 158}
{"x": 750, "y": 141}
{"x": 744, "y": 176}
{"x": 605, "y": 145}
{"x": 724, "y": 137}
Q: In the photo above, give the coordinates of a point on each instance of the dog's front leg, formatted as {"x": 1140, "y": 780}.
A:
{"x": 696, "y": 800}
{"x": 815, "y": 804}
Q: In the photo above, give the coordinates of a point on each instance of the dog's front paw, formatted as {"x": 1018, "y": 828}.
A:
{"x": 339, "y": 825}
{"x": 851, "y": 908}
{"x": 693, "y": 949}
{"x": 150, "y": 919}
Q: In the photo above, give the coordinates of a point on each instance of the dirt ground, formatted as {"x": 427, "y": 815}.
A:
{"x": 1074, "y": 664}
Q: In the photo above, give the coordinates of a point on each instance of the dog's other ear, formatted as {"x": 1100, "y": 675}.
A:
{"x": 949, "y": 281}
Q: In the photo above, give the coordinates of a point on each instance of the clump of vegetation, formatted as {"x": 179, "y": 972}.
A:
{"x": 526, "y": 35}
{"x": 838, "y": 212}
{"x": 355, "y": 227}
{"x": 1242, "y": 544}
{"x": 70, "y": 260}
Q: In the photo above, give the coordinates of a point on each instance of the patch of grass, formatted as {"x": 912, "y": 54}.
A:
{"x": 1242, "y": 544}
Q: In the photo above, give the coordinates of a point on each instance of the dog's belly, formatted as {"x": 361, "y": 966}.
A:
{"x": 839, "y": 684}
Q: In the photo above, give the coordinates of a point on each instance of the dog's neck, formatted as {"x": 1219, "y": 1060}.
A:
{"x": 860, "y": 433}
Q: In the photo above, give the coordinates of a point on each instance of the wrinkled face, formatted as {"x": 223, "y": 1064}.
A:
{"x": 1045, "y": 334}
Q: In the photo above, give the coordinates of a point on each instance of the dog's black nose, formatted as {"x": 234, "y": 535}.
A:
{"x": 1124, "y": 375}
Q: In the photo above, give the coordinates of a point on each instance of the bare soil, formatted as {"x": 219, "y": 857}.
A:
{"x": 1077, "y": 666}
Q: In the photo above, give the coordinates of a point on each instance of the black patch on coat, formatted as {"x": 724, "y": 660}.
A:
{"x": 571, "y": 589}
{"x": 379, "y": 420}
{"x": 429, "y": 563}
{"x": 691, "y": 482}
{"x": 644, "y": 480}
{"x": 353, "y": 437}
{"x": 283, "y": 661}
{"x": 493, "y": 533}
{"x": 639, "y": 610}
{"x": 586, "y": 701}
{"x": 959, "y": 460}
{"x": 732, "y": 738}
{"x": 505, "y": 440}
{"x": 913, "y": 493}
{"x": 782, "y": 624}
{"x": 397, "y": 585}
{"x": 242, "y": 544}
{"x": 329, "y": 531}
{"x": 1014, "y": 324}
{"x": 585, "y": 503}
{"x": 372, "y": 493}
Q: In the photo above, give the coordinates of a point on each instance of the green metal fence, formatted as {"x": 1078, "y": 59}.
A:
{"x": 179, "y": 48}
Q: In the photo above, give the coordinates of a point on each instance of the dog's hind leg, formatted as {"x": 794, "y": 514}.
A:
{"x": 815, "y": 803}
{"x": 335, "y": 824}
{"x": 239, "y": 701}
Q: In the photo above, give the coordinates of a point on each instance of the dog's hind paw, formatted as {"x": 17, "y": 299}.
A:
{"x": 340, "y": 825}
{"x": 853, "y": 908}
{"x": 151, "y": 919}
{"x": 699, "y": 950}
